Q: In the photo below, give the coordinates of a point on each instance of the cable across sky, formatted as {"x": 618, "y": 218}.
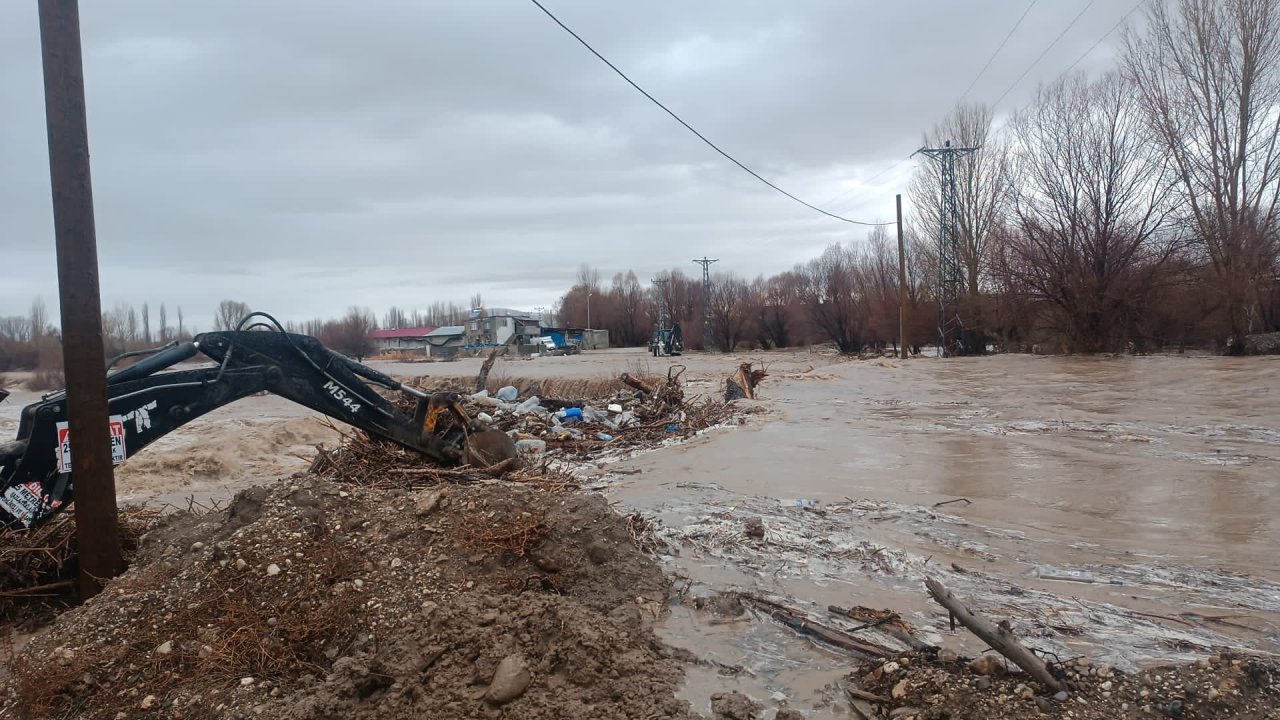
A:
{"x": 691, "y": 129}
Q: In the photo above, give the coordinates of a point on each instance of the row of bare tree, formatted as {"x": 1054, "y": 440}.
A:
{"x": 33, "y": 341}
{"x": 1134, "y": 210}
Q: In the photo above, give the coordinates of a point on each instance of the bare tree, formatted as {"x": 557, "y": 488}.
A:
{"x": 589, "y": 277}
{"x": 831, "y": 297}
{"x": 1090, "y": 209}
{"x": 146, "y": 324}
{"x": 38, "y": 320}
{"x": 1206, "y": 73}
{"x": 395, "y": 318}
{"x": 629, "y": 301}
{"x": 164, "y": 325}
{"x": 774, "y": 300}
{"x": 350, "y": 335}
{"x": 729, "y": 303}
{"x": 229, "y": 314}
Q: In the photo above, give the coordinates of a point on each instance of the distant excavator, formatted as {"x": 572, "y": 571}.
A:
{"x": 146, "y": 403}
{"x": 668, "y": 341}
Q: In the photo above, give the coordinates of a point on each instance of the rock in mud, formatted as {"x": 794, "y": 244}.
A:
{"x": 789, "y": 715}
{"x": 734, "y": 706}
{"x": 427, "y": 502}
{"x": 754, "y": 527}
{"x": 987, "y": 665}
{"x": 510, "y": 680}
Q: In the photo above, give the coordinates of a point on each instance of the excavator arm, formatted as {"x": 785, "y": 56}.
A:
{"x": 149, "y": 399}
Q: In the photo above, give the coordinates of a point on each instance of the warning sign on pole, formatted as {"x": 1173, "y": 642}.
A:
{"x": 118, "y": 453}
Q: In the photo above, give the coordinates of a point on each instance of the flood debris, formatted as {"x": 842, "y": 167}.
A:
{"x": 742, "y": 383}
{"x": 1262, "y": 344}
{"x": 835, "y": 546}
{"x": 927, "y": 686}
{"x": 805, "y": 625}
{"x": 999, "y": 637}
{"x": 38, "y": 567}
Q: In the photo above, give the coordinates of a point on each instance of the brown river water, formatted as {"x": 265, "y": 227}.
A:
{"x": 1156, "y": 479}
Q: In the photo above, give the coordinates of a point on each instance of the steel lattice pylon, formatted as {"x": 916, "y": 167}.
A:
{"x": 705, "y": 262}
{"x": 949, "y": 279}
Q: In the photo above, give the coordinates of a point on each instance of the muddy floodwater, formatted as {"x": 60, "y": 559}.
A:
{"x": 1125, "y": 508}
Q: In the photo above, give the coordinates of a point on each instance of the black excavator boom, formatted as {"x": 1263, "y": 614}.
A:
{"x": 150, "y": 399}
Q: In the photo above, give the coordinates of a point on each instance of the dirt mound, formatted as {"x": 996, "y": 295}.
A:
{"x": 313, "y": 599}
{"x": 924, "y": 687}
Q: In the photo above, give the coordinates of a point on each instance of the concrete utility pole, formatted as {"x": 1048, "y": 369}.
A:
{"x": 948, "y": 248}
{"x": 705, "y": 262}
{"x": 902, "y": 287}
{"x": 83, "y": 358}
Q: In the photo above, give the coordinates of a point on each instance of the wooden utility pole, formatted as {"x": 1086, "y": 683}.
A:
{"x": 902, "y": 288}
{"x": 97, "y": 534}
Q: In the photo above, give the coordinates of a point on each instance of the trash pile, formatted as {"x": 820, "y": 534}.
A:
{"x": 643, "y": 413}
{"x": 627, "y": 415}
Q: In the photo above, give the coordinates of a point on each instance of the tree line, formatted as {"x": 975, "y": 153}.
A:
{"x": 1131, "y": 211}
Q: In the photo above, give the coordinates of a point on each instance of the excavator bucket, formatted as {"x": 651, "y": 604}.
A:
{"x": 489, "y": 447}
{"x": 444, "y": 413}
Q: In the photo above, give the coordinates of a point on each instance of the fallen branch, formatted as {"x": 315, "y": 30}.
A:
{"x": 39, "y": 589}
{"x": 482, "y": 380}
{"x": 869, "y": 697}
{"x": 1000, "y": 638}
{"x": 891, "y": 624}
{"x": 837, "y": 610}
{"x": 807, "y": 626}
{"x": 966, "y": 501}
{"x": 636, "y": 384}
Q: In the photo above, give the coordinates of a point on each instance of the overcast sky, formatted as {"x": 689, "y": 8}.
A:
{"x": 307, "y": 156}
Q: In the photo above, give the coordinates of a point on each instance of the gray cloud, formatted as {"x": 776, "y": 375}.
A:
{"x": 305, "y": 156}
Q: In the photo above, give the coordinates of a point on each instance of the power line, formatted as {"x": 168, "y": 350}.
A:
{"x": 1003, "y": 42}
{"x": 1006, "y": 127}
{"x": 1104, "y": 37}
{"x": 842, "y": 195}
{"x": 1044, "y": 52}
{"x": 690, "y": 128}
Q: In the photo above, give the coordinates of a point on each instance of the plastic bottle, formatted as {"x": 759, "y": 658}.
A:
{"x": 604, "y": 436}
{"x": 572, "y": 414}
{"x": 508, "y": 393}
{"x": 531, "y": 446}
{"x": 528, "y": 405}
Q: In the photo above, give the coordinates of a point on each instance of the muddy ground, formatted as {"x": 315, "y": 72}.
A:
{"x": 1119, "y": 509}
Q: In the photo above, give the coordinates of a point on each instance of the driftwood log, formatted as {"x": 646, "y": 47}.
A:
{"x": 636, "y": 384}
{"x": 482, "y": 379}
{"x": 1000, "y": 638}
{"x": 807, "y": 626}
